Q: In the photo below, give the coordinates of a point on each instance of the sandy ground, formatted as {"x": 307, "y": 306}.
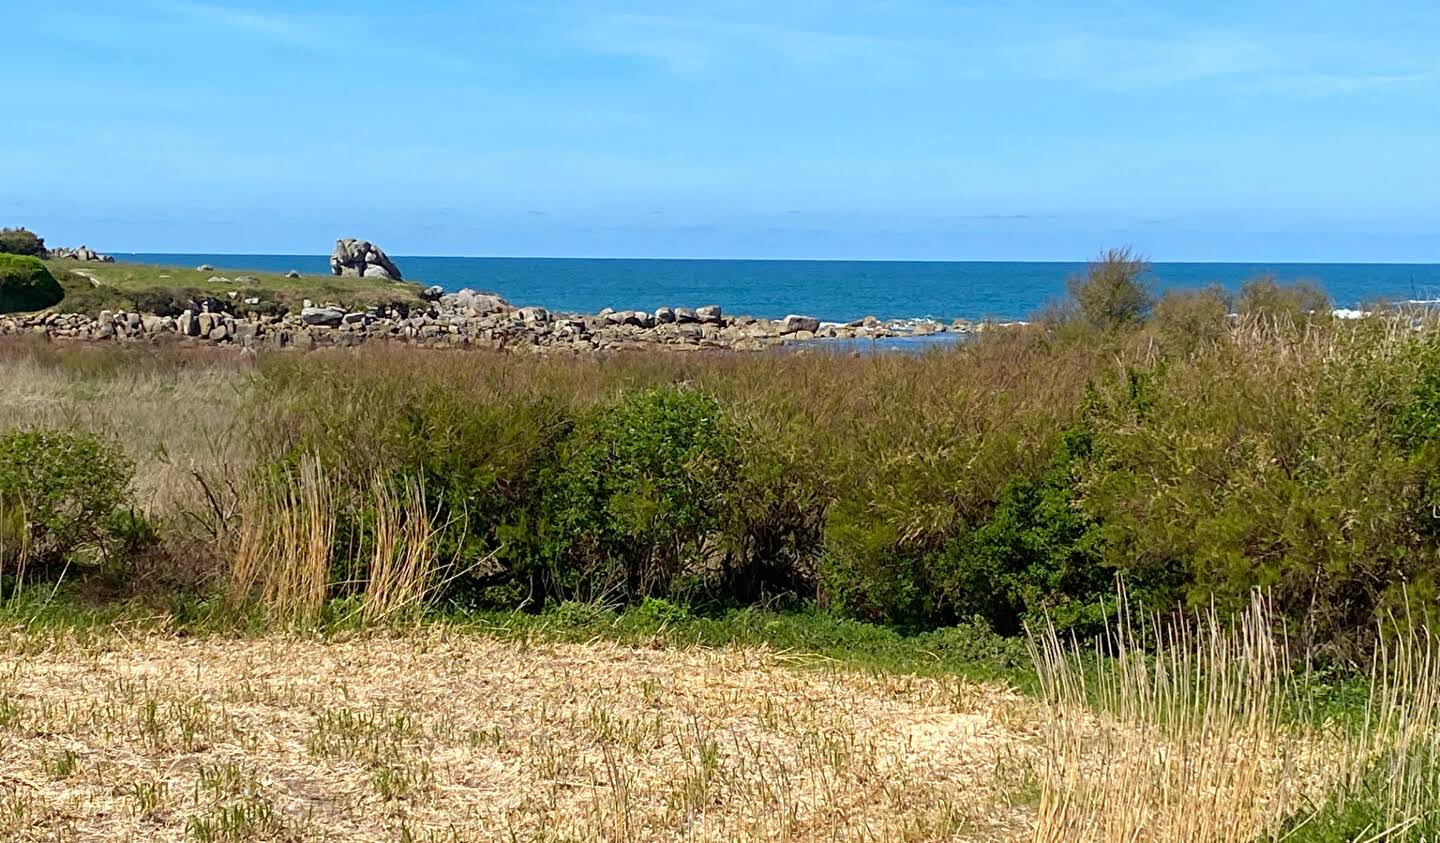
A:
{"x": 441, "y": 737}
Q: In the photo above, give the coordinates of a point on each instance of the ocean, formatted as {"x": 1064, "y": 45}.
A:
{"x": 828, "y": 290}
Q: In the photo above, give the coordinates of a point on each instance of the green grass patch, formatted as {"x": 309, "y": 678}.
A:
{"x": 810, "y": 638}
{"x": 26, "y": 284}
{"x": 92, "y": 287}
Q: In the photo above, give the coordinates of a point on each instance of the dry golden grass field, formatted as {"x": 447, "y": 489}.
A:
{"x": 441, "y": 736}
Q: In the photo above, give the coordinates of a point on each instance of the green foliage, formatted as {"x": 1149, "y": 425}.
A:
{"x": 83, "y": 296}
{"x": 1030, "y": 550}
{"x": 1018, "y": 474}
{"x": 60, "y": 491}
{"x": 634, "y": 505}
{"x": 1115, "y": 291}
{"x": 21, "y": 241}
{"x": 166, "y": 290}
{"x": 1187, "y": 320}
{"x": 1038, "y": 554}
{"x": 26, "y": 285}
{"x": 1265, "y": 296}
{"x": 1247, "y": 469}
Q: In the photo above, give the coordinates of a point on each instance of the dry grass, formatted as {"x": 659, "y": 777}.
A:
{"x": 282, "y": 554}
{"x": 1392, "y": 768}
{"x": 174, "y": 418}
{"x": 443, "y": 737}
{"x": 1195, "y": 737}
{"x": 1192, "y": 744}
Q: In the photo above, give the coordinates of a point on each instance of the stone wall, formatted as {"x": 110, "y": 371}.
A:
{"x": 464, "y": 319}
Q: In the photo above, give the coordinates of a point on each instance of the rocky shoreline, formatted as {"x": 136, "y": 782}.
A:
{"x": 467, "y": 319}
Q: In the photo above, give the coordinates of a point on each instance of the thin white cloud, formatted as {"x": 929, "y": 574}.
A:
{"x": 320, "y": 34}
{"x": 1137, "y": 61}
{"x": 690, "y": 45}
{"x": 1153, "y": 58}
{"x": 276, "y": 27}
{"x": 1096, "y": 53}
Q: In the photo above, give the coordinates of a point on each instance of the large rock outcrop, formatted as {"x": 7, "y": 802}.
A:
{"x": 362, "y": 259}
{"x": 80, "y": 253}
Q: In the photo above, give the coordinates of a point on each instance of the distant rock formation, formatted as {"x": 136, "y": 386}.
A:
{"x": 362, "y": 259}
{"x": 80, "y": 253}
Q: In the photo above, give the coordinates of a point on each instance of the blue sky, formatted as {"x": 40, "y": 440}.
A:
{"x": 903, "y": 129}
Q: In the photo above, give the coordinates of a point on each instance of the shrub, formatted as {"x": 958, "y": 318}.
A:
{"x": 20, "y": 241}
{"x": 26, "y": 284}
{"x": 1269, "y": 464}
{"x": 636, "y": 502}
{"x": 1189, "y": 319}
{"x": 85, "y": 296}
{"x": 1039, "y": 553}
{"x": 1114, "y": 292}
{"x": 61, "y": 489}
{"x": 1265, "y": 296}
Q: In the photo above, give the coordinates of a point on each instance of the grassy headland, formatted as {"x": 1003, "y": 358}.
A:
{"x": 166, "y": 290}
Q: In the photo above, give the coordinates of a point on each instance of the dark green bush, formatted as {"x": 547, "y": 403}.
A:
{"x": 59, "y": 492}
{"x": 21, "y": 241}
{"x": 26, "y": 285}
{"x": 636, "y": 504}
{"x": 1039, "y": 553}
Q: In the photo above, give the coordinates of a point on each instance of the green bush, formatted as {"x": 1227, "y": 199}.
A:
{"x": 1266, "y": 297}
{"x": 1257, "y": 467}
{"x": 1012, "y": 477}
{"x": 1187, "y": 320}
{"x": 1115, "y": 291}
{"x": 1039, "y": 553}
{"x": 60, "y": 491}
{"x": 20, "y": 241}
{"x": 85, "y": 296}
{"x": 636, "y": 503}
{"x": 26, "y": 285}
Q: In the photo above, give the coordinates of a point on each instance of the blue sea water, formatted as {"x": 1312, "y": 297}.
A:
{"x": 830, "y": 290}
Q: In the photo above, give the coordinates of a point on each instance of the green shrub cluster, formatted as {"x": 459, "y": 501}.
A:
{"x": 60, "y": 491}
{"x": 21, "y": 241}
{"x": 26, "y": 285}
{"x": 1195, "y": 453}
{"x": 1012, "y": 477}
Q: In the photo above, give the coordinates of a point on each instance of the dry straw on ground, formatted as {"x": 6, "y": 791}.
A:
{"x": 447, "y": 737}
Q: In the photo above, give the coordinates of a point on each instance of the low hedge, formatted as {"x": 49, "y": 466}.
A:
{"x": 26, "y": 285}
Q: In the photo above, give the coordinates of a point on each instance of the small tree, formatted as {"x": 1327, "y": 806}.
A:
{"x": 21, "y": 241}
{"x": 1114, "y": 292}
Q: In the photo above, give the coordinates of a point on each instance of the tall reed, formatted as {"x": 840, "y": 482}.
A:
{"x": 282, "y": 552}
{"x": 1391, "y": 787}
{"x": 403, "y": 572}
{"x": 14, "y": 547}
{"x": 1183, "y": 738}
{"x": 287, "y": 561}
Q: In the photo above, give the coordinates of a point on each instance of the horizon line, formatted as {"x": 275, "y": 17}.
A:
{"x": 1081, "y": 261}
